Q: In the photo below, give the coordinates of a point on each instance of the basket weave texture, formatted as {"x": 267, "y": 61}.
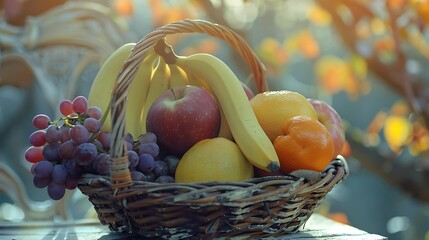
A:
{"x": 260, "y": 207}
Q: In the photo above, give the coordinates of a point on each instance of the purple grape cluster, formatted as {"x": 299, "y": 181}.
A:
{"x": 145, "y": 161}
{"x": 64, "y": 149}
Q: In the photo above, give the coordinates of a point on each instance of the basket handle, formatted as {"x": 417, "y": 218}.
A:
{"x": 119, "y": 172}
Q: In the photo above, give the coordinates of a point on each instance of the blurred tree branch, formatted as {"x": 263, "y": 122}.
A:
{"x": 409, "y": 177}
{"x": 394, "y": 75}
{"x": 403, "y": 175}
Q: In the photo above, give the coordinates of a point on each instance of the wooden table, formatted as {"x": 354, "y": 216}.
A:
{"x": 317, "y": 227}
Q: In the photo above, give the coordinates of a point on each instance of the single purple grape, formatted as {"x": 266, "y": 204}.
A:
{"x": 164, "y": 179}
{"x": 133, "y": 159}
{"x": 34, "y": 154}
{"x": 149, "y": 148}
{"x": 94, "y": 112}
{"x": 147, "y": 137}
{"x": 51, "y": 152}
{"x": 146, "y": 163}
{"x": 80, "y": 104}
{"x": 53, "y": 134}
{"x": 138, "y": 176}
{"x": 41, "y": 121}
{"x": 85, "y": 153}
{"x": 79, "y": 134}
{"x": 43, "y": 169}
{"x": 65, "y": 134}
{"x": 37, "y": 138}
{"x": 92, "y": 124}
{"x": 59, "y": 174}
{"x": 40, "y": 182}
{"x": 66, "y": 107}
{"x": 56, "y": 191}
{"x": 66, "y": 149}
{"x": 105, "y": 138}
{"x": 160, "y": 168}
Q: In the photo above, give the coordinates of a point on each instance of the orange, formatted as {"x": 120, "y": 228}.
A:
{"x": 305, "y": 144}
{"x": 274, "y": 108}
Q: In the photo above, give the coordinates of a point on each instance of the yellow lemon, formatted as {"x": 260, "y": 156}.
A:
{"x": 273, "y": 109}
{"x": 215, "y": 159}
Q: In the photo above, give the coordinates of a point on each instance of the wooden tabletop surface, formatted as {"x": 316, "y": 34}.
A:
{"x": 317, "y": 227}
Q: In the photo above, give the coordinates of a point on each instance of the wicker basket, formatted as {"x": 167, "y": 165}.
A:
{"x": 260, "y": 207}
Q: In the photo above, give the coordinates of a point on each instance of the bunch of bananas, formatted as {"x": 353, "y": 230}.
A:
{"x": 160, "y": 72}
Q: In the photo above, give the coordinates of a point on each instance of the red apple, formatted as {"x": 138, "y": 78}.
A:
{"x": 248, "y": 91}
{"x": 183, "y": 116}
{"x": 330, "y": 118}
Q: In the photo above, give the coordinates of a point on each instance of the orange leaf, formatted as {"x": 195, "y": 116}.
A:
{"x": 397, "y": 132}
{"x": 272, "y": 54}
{"x": 331, "y": 72}
{"x": 319, "y": 16}
{"x": 124, "y": 7}
{"x": 307, "y": 45}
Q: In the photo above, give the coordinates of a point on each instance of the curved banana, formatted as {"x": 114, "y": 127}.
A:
{"x": 100, "y": 92}
{"x": 137, "y": 93}
{"x": 159, "y": 83}
{"x": 247, "y": 132}
{"x": 178, "y": 76}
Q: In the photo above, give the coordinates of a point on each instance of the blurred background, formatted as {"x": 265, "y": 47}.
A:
{"x": 367, "y": 58}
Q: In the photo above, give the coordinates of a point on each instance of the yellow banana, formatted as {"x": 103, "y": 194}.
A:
{"x": 178, "y": 77}
{"x": 159, "y": 83}
{"x": 100, "y": 92}
{"x": 137, "y": 93}
{"x": 247, "y": 132}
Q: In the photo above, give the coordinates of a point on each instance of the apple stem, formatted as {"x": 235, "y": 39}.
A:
{"x": 165, "y": 51}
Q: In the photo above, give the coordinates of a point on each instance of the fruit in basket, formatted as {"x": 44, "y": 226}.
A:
{"x": 330, "y": 118}
{"x": 216, "y": 159}
{"x": 183, "y": 116}
{"x": 305, "y": 143}
{"x": 274, "y": 108}
{"x": 234, "y": 103}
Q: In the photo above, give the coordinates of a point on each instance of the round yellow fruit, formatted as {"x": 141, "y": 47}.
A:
{"x": 215, "y": 159}
{"x": 273, "y": 109}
